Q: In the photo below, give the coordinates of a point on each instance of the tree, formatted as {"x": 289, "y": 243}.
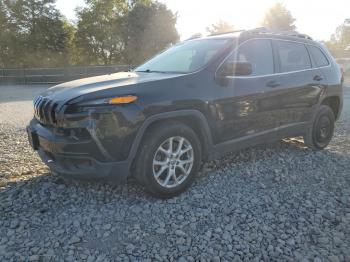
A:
{"x": 6, "y": 54}
{"x": 38, "y": 36}
{"x": 99, "y": 31}
{"x": 220, "y": 27}
{"x": 278, "y": 17}
{"x": 71, "y": 48}
{"x": 34, "y": 33}
{"x": 339, "y": 44}
{"x": 342, "y": 35}
{"x": 149, "y": 29}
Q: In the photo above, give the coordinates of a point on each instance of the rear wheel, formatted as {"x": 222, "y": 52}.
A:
{"x": 321, "y": 132}
{"x": 169, "y": 159}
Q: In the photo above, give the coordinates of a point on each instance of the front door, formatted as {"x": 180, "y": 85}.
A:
{"x": 246, "y": 104}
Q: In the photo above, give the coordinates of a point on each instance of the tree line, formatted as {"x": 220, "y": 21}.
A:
{"x": 33, "y": 33}
{"x": 339, "y": 43}
{"x": 278, "y": 17}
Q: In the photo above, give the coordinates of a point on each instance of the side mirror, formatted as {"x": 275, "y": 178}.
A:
{"x": 236, "y": 69}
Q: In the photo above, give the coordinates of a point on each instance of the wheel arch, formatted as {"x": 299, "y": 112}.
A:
{"x": 334, "y": 103}
{"x": 193, "y": 118}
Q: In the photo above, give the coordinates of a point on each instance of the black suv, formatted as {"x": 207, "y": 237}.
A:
{"x": 195, "y": 101}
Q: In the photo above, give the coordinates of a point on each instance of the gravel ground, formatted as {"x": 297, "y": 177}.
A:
{"x": 267, "y": 203}
{"x": 16, "y": 105}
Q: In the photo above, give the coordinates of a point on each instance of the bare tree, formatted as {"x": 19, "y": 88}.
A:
{"x": 220, "y": 27}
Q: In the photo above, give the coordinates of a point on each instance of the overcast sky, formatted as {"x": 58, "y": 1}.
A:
{"x": 318, "y": 18}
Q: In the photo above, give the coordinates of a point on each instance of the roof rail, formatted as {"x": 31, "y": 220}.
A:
{"x": 264, "y": 30}
{"x": 228, "y": 32}
{"x": 195, "y": 36}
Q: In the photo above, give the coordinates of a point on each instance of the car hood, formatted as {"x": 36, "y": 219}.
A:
{"x": 73, "y": 89}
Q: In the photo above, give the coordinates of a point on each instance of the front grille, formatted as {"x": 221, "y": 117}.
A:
{"x": 45, "y": 110}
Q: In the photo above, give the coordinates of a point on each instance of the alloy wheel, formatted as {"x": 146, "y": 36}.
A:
{"x": 173, "y": 162}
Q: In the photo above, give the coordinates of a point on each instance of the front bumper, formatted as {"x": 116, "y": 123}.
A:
{"x": 81, "y": 159}
{"x": 85, "y": 168}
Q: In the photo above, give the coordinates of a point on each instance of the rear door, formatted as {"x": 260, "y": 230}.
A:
{"x": 299, "y": 84}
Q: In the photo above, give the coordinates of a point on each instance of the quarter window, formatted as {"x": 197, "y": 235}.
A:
{"x": 292, "y": 56}
{"x": 258, "y": 53}
{"x": 318, "y": 57}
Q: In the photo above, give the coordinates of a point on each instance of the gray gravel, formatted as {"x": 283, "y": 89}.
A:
{"x": 16, "y": 106}
{"x": 275, "y": 202}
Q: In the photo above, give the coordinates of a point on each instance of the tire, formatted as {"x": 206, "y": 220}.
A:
{"x": 320, "y": 133}
{"x": 167, "y": 172}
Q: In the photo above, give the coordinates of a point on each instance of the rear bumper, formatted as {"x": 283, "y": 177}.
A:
{"x": 74, "y": 159}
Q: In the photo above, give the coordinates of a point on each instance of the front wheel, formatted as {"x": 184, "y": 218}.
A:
{"x": 169, "y": 159}
{"x": 321, "y": 131}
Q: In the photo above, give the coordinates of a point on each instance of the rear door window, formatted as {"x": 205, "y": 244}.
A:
{"x": 292, "y": 56}
{"x": 318, "y": 57}
{"x": 258, "y": 53}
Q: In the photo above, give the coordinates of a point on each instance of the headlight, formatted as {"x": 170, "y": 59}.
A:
{"x": 119, "y": 100}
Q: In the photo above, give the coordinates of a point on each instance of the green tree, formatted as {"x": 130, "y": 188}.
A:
{"x": 99, "y": 31}
{"x": 278, "y": 17}
{"x": 71, "y": 48}
{"x": 38, "y": 36}
{"x": 149, "y": 29}
{"x": 5, "y": 37}
{"x": 220, "y": 27}
{"x": 34, "y": 33}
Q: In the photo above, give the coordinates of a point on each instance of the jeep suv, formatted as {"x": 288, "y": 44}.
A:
{"x": 196, "y": 101}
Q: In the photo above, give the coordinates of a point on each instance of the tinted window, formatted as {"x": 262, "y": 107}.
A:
{"x": 318, "y": 58}
{"x": 292, "y": 56}
{"x": 258, "y": 53}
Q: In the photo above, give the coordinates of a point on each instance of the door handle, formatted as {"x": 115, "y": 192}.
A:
{"x": 273, "y": 84}
{"x": 318, "y": 78}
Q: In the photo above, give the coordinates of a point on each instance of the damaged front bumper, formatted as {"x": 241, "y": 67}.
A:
{"x": 85, "y": 168}
{"x": 87, "y": 147}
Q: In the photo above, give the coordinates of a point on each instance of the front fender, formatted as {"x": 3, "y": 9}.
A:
{"x": 204, "y": 126}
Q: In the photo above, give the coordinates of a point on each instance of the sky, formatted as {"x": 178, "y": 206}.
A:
{"x": 317, "y": 18}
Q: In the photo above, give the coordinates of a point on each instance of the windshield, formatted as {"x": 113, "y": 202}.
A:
{"x": 186, "y": 57}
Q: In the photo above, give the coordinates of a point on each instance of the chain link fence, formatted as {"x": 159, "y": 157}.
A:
{"x": 55, "y": 75}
